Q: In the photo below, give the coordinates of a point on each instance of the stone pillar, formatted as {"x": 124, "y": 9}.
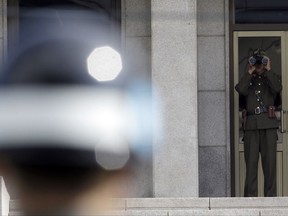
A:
{"x": 174, "y": 77}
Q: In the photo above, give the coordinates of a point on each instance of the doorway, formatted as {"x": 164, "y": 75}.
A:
{"x": 275, "y": 43}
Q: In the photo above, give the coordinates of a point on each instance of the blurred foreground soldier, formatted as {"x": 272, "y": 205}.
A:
{"x": 260, "y": 87}
{"x": 65, "y": 138}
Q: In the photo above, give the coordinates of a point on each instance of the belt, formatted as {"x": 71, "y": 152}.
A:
{"x": 258, "y": 111}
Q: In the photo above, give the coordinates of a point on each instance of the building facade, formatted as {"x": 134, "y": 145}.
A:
{"x": 186, "y": 49}
{"x": 188, "y": 43}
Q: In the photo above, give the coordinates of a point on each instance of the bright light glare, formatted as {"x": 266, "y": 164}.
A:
{"x": 109, "y": 122}
{"x": 104, "y": 64}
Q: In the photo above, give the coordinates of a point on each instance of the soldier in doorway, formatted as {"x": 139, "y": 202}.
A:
{"x": 260, "y": 86}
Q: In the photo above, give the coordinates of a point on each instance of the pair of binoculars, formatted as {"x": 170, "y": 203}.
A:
{"x": 256, "y": 59}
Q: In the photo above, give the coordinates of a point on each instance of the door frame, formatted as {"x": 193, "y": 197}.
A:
{"x": 284, "y": 67}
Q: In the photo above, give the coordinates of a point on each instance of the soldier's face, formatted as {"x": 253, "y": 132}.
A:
{"x": 259, "y": 68}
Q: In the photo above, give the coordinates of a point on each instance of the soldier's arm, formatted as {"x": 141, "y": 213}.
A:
{"x": 243, "y": 86}
{"x": 273, "y": 81}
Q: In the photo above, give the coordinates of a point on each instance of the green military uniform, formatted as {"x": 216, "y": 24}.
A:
{"x": 260, "y": 129}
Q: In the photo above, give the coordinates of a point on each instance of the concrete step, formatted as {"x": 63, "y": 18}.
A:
{"x": 226, "y": 212}
{"x": 277, "y": 206}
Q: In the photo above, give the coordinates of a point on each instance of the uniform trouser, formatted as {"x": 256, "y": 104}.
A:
{"x": 265, "y": 142}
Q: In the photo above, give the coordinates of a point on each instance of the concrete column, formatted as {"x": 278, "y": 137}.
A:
{"x": 174, "y": 77}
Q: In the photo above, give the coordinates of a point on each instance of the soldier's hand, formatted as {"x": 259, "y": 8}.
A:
{"x": 268, "y": 65}
{"x": 251, "y": 68}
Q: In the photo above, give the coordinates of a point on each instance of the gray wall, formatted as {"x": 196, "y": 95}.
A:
{"x": 136, "y": 37}
{"x": 213, "y": 87}
{"x": 136, "y": 45}
{"x": 213, "y": 98}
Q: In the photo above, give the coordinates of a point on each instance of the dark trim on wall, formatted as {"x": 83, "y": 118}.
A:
{"x": 231, "y": 91}
{"x": 259, "y": 27}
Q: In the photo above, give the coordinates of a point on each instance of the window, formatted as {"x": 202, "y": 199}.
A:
{"x": 261, "y": 11}
{"x": 33, "y": 21}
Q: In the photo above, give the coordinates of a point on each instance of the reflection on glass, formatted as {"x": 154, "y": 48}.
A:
{"x": 272, "y": 47}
